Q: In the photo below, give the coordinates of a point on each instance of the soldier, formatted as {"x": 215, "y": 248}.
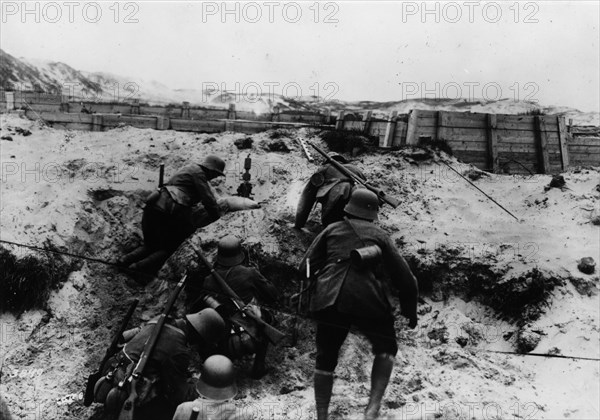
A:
{"x": 167, "y": 219}
{"x": 349, "y": 291}
{"x": 217, "y": 388}
{"x": 253, "y": 289}
{"x": 330, "y": 188}
{"x": 167, "y": 369}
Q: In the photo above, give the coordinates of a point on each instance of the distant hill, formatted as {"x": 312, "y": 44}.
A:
{"x": 55, "y": 77}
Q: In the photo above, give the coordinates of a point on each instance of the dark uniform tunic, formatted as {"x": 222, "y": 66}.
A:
{"x": 333, "y": 194}
{"x": 167, "y": 220}
{"x": 168, "y": 363}
{"x": 246, "y": 282}
{"x": 345, "y": 295}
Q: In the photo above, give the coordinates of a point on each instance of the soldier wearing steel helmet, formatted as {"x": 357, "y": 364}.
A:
{"x": 348, "y": 258}
{"x": 253, "y": 289}
{"x": 167, "y": 219}
{"x": 217, "y": 388}
{"x": 167, "y": 375}
{"x": 329, "y": 187}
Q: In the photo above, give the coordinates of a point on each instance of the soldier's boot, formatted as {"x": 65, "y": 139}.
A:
{"x": 323, "y": 383}
{"x": 259, "y": 368}
{"x": 380, "y": 376}
{"x": 144, "y": 270}
{"x": 134, "y": 256}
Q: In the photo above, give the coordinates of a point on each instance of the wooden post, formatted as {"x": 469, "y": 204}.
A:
{"x": 97, "y": 122}
{"x": 367, "y": 119}
{"x": 185, "y": 110}
{"x": 10, "y": 101}
{"x": 540, "y": 128}
{"x": 441, "y": 124}
{"x": 492, "y": 139}
{"x": 163, "y": 122}
{"x": 570, "y": 125}
{"x": 135, "y": 107}
{"x": 562, "y": 142}
{"x": 275, "y": 116}
{"x": 339, "y": 122}
{"x": 411, "y": 131}
{"x": 390, "y": 129}
{"x": 327, "y": 116}
{"x": 231, "y": 112}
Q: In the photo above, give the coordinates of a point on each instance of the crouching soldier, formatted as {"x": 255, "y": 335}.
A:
{"x": 329, "y": 187}
{"x": 166, "y": 383}
{"x": 253, "y": 290}
{"x": 349, "y": 290}
{"x": 168, "y": 215}
{"x": 217, "y": 388}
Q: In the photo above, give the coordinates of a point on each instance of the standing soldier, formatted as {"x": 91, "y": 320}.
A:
{"x": 167, "y": 219}
{"x": 253, "y": 289}
{"x": 350, "y": 291}
{"x": 329, "y": 187}
{"x": 167, "y": 383}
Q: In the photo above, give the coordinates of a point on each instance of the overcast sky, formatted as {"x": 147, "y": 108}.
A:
{"x": 545, "y": 51}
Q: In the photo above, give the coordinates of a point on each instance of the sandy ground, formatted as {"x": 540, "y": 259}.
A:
{"x": 47, "y": 180}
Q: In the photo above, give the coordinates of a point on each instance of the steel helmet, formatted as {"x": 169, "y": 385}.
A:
{"x": 217, "y": 380}
{"x": 229, "y": 251}
{"x": 208, "y": 324}
{"x": 363, "y": 204}
{"x": 215, "y": 164}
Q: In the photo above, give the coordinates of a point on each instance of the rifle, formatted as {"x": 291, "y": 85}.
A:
{"x": 272, "y": 333}
{"x": 383, "y": 197}
{"x": 127, "y": 412}
{"x": 88, "y": 399}
{"x": 161, "y": 176}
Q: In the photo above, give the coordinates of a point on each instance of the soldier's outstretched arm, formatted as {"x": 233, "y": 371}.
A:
{"x": 404, "y": 280}
{"x": 207, "y": 198}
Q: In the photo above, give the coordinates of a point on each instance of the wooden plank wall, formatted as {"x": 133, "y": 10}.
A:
{"x": 493, "y": 142}
{"x": 39, "y": 101}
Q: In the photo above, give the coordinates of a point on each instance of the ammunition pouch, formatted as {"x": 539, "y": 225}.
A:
{"x": 240, "y": 344}
{"x": 120, "y": 370}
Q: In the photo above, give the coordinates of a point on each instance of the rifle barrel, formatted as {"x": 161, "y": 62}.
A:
{"x": 380, "y": 193}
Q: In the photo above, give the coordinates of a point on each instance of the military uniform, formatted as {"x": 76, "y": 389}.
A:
{"x": 329, "y": 187}
{"x": 168, "y": 220}
{"x": 247, "y": 282}
{"x": 167, "y": 369}
{"x": 345, "y": 295}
